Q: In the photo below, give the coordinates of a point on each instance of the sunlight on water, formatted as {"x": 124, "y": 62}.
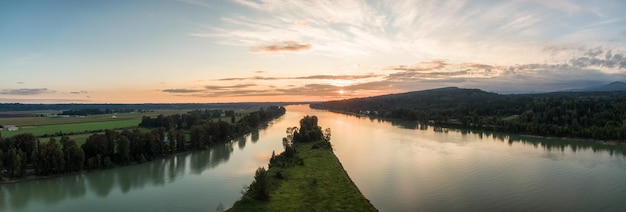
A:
{"x": 399, "y": 166}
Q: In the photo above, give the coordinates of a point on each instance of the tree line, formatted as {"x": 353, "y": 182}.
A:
{"x": 593, "y": 115}
{"x": 24, "y": 154}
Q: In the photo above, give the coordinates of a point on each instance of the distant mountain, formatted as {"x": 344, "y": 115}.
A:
{"x": 614, "y": 86}
{"x": 596, "y": 115}
{"x": 434, "y": 98}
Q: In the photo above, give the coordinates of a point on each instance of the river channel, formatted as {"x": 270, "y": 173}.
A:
{"x": 398, "y": 166}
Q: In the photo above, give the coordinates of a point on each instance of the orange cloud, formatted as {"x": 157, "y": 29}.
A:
{"x": 290, "y": 46}
{"x": 421, "y": 66}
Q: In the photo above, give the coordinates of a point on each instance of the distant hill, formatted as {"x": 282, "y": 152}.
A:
{"x": 440, "y": 97}
{"x": 613, "y": 86}
{"x": 590, "y": 114}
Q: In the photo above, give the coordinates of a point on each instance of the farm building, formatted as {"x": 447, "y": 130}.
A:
{"x": 11, "y": 128}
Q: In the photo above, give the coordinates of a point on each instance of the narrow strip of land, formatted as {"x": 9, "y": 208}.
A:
{"x": 314, "y": 180}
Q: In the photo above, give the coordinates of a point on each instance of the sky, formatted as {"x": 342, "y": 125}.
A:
{"x": 175, "y": 51}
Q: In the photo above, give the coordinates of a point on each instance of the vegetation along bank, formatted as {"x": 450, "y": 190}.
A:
{"x": 24, "y": 156}
{"x": 307, "y": 176}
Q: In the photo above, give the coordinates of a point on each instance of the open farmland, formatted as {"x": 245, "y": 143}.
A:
{"x": 39, "y": 121}
{"x": 52, "y": 129}
{"x": 80, "y": 128}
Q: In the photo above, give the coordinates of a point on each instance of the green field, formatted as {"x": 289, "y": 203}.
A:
{"x": 80, "y": 126}
{"x": 39, "y": 121}
{"x": 321, "y": 184}
{"x": 74, "y": 128}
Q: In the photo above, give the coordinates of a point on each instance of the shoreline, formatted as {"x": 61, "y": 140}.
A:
{"x": 614, "y": 143}
{"x": 318, "y": 182}
{"x": 574, "y": 139}
{"x": 5, "y": 180}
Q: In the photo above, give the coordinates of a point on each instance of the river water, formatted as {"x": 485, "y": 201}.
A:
{"x": 398, "y": 166}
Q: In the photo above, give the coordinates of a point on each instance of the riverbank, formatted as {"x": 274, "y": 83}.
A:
{"x": 612, "y": 143}
{"x": 317, "y": 182}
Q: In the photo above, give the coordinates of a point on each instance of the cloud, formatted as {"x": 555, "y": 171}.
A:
{"x": 40, "y": 101}
{"x": 26, "y": 91}
{"x": 338, "y": 77}
{"x": 249, "y": 78}
{"x": 312, "y": 77}
{"x": 421, "y": 66}
{"x": 481, "y": 31}
{"x": 79, "y": 92}
{"x": 224, "y": 87}
{"x": 21, "y": 83}
{"x": 290, "y": 46}
{"x": 596, "y": 59}
{"x": 181, "y": 90}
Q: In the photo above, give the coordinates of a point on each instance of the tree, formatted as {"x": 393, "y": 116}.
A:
{"x": 327, "y": 134}
{"x": 1, "y": 161}
{"x": 197, "y": 135}
{"x": 260, "y": 187}
{"x": 55, "y": 158}
{"x": 123, "y": 150}
{"x": 171, "y": 135}
{"x": 26, "y": 143}
{"x": 181, "y": 143}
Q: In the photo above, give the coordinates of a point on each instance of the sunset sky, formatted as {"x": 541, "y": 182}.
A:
{"x": 161, "y": 51}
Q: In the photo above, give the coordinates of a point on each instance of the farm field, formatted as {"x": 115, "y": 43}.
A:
{"x": 74, "y": 127}
{"x": 39, "y": 121}
{"x": 80, "y": 127}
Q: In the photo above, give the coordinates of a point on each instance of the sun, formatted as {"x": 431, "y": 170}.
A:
{"x": 341, "y": 92}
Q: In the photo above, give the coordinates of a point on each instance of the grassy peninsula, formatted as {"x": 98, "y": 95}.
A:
{"x": 307, "y": 176}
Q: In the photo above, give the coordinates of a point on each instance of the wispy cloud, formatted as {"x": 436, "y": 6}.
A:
{"x": 312, "y": 77}
{"x": 181, "y": 90}
{"x": 458, "y": 30}
{"x": 420, "y": 66}
{"x": 288, "y": 46}
{"x": 224, "y": 87}
{"x": 26, "y": 91}
{"x": 79, "y": 92}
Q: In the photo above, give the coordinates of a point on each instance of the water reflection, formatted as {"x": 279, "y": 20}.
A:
{"x": 156, "y": 173}
{"x": 255, "y": 136}
{"x": 417, "y": 167}
{"x": 47, "y": 191}
{"x": 241, "y": 142}
{"x": 547, "y": 144}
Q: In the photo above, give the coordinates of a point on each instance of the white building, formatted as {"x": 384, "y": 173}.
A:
{"x": 11, "y": 128}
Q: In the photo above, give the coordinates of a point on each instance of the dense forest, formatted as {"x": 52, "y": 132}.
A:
{"x": 592, "y": 115}
{"x": 24, "y": 154}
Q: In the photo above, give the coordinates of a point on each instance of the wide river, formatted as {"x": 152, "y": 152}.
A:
{"x": 397, "y": 166}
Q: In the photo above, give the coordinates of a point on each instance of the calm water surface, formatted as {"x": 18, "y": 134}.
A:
{"x": 397, "y": 166}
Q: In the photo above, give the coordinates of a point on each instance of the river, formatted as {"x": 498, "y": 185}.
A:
{"x": 398, "y": 166}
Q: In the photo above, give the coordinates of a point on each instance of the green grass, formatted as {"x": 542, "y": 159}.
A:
{"x": 40, "y": 121}
{"x": 75, "y": 127}
{"x": 320, "y": 184}
{"x": 39, "y": 126}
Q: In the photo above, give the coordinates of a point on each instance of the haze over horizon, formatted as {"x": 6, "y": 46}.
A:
{"x": 170, "y": 51}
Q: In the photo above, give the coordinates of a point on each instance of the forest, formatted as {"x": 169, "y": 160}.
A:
{"x": 25, "y": 155}
{"x": 589, "y": 115}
